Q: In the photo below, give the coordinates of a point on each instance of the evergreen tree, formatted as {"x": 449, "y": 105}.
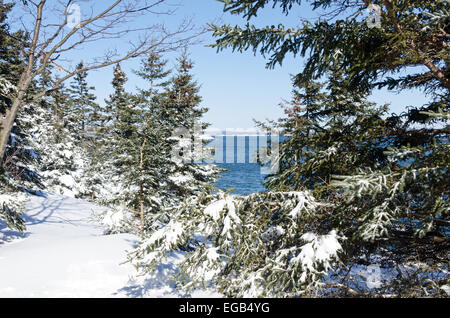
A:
{"x": 329, "y": 133}
{"x": 16, "y": 173}
{"x": 182, "y": 96}
{"x": 11, "y": 200}
{"x": 184, "y": 179}
{"x": 135, "y": 157}
{"x": 141, "y": 144}
{"x": 380, "y": 180}
{"x": 181, "y": 110}
{"x": 65, "y": 119}
{"x": 87, "y": 111}
{"x": 153, "y": 70}
{"x": 12, "y": 46}
{"x": 118, "y": 100}
{"x": 410, "y": 33}
{"x": 252, "y": 246}
{"x": 51, "y": 126}
{"x": 62, "y": 162}
{"x": 133, "y": 153}
{"x": 155, "y": 162}
{"x": 12, "y": 63}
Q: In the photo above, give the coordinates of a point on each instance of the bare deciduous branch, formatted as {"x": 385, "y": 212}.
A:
{"x": 51, "y": 40}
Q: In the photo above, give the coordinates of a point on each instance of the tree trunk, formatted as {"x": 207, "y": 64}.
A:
{"x": 141, "y": 203}
{"x": 7, "y": 123}
{"x": 141, "y": 187}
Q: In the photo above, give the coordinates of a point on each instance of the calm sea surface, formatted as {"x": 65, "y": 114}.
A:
{"x": 237, "y": 154}
{"x": 246, "y": 178}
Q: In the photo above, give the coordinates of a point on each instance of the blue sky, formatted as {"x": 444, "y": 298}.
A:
{"x": 237, "y": 88}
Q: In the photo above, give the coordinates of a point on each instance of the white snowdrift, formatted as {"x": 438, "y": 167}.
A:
{"x": 64, "y": 254}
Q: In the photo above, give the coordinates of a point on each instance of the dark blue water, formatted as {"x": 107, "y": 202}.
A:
{"x": 246, "y": 178}
{"x": 237, "y": 154}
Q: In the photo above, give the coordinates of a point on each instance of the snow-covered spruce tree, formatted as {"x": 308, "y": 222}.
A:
{"x": 12, "y": 45}
{"x": 88, "y": 112}
{"x": 20, "y": 155}
{"x": 47, "y": 133}
{"x": 134, "y": 151}
{"x": 404, "y": 205}
{"x": 348, "y": 153}
{"x": 401, "y": 211}
{"x": 389, "y": 207}
{"x": 103, "y": 180}
{"x": 153, "y": 70}
{"x": 267, "y": 244}
{"x": 142, "y": 147}
{"x": 15, "y": 173}
{"x": 182, "y": 110}
{"x": 12, "y": 198}
{"x": 328, "y": 131}
{"x": 155, "y": 161}
{"x": 57, "y": 137}
{"x": 254, "y": 246}
{"x": 63, "y": 161}
{"x": 18, "y": 173}
{"x": 94, "y": 182}
{"x": 183, "y": 140}
{"x": 119, "y": 99}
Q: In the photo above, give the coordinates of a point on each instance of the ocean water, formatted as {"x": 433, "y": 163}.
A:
{"x": 245, "y": 178}
{"x": 238, "y": 155}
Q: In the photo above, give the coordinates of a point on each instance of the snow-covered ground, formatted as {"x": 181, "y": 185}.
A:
{"x": 64, "y": 253}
